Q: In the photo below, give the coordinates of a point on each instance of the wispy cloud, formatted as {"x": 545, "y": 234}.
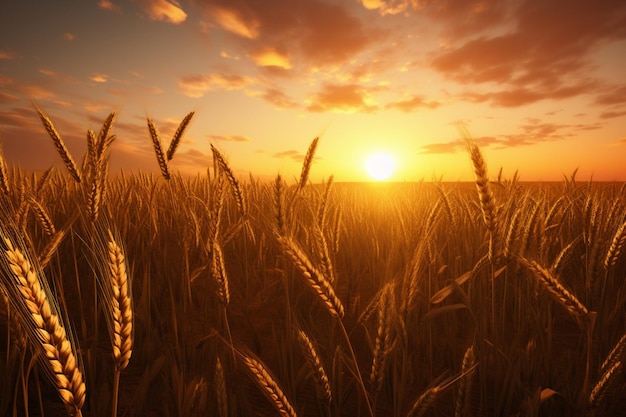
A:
{"x": 199, "y": 84}
{"x": 531, "y": 133}
{"x": 68, "y": 36}
{"x": 7, "y": 55}
{"x": 99, "y": 78}
{"x": 278, "y": 98}
{"x": 229, "y": 138}
{"x": 290, "y": 154}
{"x": 412, "y": 103}
{"x": 163, "y": 10}
{"x": 108, "y": 5}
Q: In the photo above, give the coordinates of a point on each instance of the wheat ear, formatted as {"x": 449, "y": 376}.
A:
{"x": 232, "y": 181}
{"x": 32, "y": 297}
{"x": 314, "y": 278}
{"x": 270, "y": 387}
{"x": 605, "y": 384}
{"x": 158, "y": 149}
{"x": 465, "y": 384}
{"x": 60, "y": 145}
{"x": 561, "y": 294}
{"x": 306, "y": 165}
{"x": 4, "y": 178}
{"x": 178, "y": 135}
{"x": 121, "y": 305}
{"x": 615, "y": 249}
{"x": 218, "y": 271}
{"x": 485, "y": 195}
{"x": 322, "y": 386}
{"x": 220, "y": 387}
{"x": 117, "y": 289}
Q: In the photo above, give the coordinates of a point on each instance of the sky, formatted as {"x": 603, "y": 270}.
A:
{"x": 538, "y": 84}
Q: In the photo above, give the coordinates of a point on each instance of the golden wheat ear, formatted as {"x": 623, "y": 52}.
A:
{"x": 158, "y": 149}
{"x": 60, "y": 145}
{"x": 42, "y": 319}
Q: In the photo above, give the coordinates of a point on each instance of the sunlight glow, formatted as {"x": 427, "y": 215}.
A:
{"x": 380, "y": 166}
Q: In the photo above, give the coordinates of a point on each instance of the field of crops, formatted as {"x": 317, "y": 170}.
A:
{"x": 158, "y": 295}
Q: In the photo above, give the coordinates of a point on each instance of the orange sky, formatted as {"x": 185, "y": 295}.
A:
{"x": 539, "y": 83}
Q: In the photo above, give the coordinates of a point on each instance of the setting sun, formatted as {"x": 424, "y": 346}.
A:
{"x": 380, "y": 166}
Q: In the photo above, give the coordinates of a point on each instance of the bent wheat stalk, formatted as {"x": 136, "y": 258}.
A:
{"x": 40, "y": 316}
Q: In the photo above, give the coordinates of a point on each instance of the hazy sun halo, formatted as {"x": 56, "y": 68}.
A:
{"x": 380, "y": 166}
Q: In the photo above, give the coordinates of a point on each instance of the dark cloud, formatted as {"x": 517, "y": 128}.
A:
{"x": 546, "y": 55}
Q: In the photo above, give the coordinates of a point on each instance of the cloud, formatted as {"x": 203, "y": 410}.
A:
{"x": 520, "y": 96}
{"x": 163, "y": 10}
{"x": 99, "y": 78}
{"x": 230, "y": 138}
{"x": 278, "y": 98}
{"x": 290, "y": 154}
{"x": 6, "y": 55}
{"x": 412, "y": 103}
{"x": 614, "y": 95}
{"x": 236, "y": 21}
{"x": 533, "y": 132}
{"x": 199, "y": 84}
{"x": 316, "y": 32}
{"x": 340, "y": 98}
{"x": 537, "y": 59}
{"x": 270, "y": 57}
{"x": 68, "y": 36}
{"x": 108, "y": 5}
{"x": 612, "y": 114}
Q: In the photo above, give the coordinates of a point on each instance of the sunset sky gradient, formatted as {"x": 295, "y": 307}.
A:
{"x": 540, "y": 84}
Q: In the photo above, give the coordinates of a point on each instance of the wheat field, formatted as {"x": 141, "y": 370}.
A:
{"x": 162, "y": 295}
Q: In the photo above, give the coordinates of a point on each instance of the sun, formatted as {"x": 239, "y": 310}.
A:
{"x": 380, "y": 166}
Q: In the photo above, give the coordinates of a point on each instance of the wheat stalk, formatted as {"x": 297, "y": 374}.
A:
{"x": 31, "y": 296}
{"x": 60, "y": 145}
